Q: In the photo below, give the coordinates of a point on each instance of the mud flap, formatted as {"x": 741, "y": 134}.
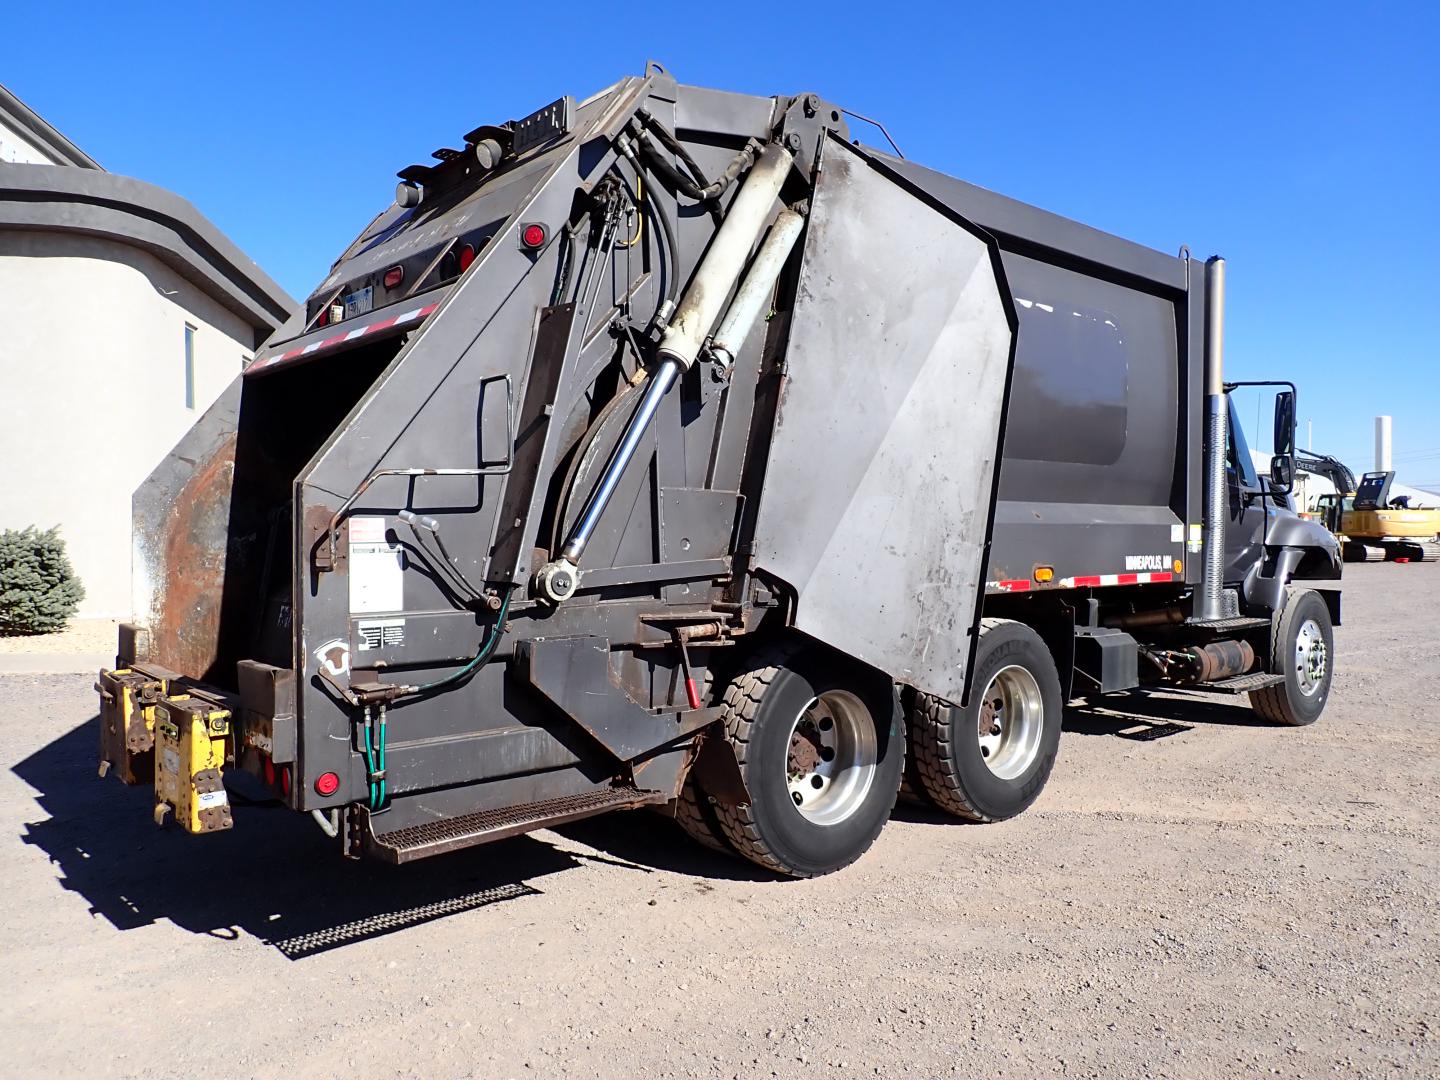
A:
{"x": 717, "y": 771}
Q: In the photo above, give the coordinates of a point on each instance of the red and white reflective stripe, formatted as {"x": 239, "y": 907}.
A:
{"x": 1092, "y": 581}
{"x": 1095, "y": 581}
{"x": 340, "y": 339}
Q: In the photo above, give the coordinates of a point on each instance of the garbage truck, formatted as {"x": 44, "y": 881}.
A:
{"x": 674, "y": 447}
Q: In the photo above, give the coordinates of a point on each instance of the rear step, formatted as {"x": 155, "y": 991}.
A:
{"x": 1256, "y": 680}
{"x": 435, "y": 837}
{"x": 1234, "y": 622}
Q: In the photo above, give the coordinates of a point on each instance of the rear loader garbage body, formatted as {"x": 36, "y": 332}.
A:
{"x": 652, "y": 429}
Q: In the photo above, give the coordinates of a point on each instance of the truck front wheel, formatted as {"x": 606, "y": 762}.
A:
{"x": 1305, "y": 654}
{"x": 820, "y": 745}
{"x": 990, "y": 760}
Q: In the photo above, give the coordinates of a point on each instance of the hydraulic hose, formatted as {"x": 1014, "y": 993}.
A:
{"x": 701, "y": 191}
{"x": 676, "y": 147}
{"x": 373, "y": 721}
{"x": 478, "y": 661}
{"x": 672, "y": 252}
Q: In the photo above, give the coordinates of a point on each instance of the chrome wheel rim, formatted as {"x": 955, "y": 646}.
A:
{"x": 831, "y": 757}
{"x": 1011, "y": 720}
{"x": 1312, "y": 658}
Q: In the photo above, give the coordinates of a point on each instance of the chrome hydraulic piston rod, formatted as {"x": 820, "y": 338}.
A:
{"x": 684, "y": 336}
{"x": 657, "y": 387}
{"x": 1217, "y": 436}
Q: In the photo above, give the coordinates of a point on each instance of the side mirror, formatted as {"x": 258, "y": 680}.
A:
{"x": 1284, "y": 442}
{"x": 1282, "y": 473}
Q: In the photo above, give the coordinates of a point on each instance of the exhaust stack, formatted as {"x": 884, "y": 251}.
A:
{"x": 1217, "y": 437}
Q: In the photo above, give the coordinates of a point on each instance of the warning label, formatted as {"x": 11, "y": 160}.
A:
{"x": 377, "y": 568}
{"x": 380, "y": 633}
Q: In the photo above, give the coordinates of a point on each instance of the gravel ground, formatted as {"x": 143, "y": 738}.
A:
{"x": 80, "y": 636}
{"x": 1228, "y": 899}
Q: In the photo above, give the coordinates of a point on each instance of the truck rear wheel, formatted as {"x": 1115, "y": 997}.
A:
{"x": 820, "y": 747}
{"x": 990, "y": 760}
{"x": 1305, "y": 648}
{"x": 696, "y": 815}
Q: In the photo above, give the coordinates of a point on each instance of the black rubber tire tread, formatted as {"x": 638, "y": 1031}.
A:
{"x": 931, "y": 751}
{"x": 912, "y": 790}
{"x": 934, "y": 764}
{"x": 1274, "y": 703}
{"x": 741, "y": 702}
{"x": 695, "y": 814}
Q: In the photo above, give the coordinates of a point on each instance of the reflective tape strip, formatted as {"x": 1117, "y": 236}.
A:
{"x": 339, "y": 339}
{"x": 1096, "y": 581}
{"x": 1091, "y": 581}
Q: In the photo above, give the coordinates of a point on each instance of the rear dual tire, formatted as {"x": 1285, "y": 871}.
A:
{"x": 821, "y": 746}
{"x": 989, "y": 760}
{"x": 695, "y": 814}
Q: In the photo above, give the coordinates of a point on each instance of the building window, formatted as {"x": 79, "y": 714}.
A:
{"x": 189, "y": 366}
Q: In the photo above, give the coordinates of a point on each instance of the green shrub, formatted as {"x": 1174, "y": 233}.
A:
{"x": 38, "y": 587}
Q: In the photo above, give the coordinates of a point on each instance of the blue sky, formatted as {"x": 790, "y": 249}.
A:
{"x": 1302, "y": 141}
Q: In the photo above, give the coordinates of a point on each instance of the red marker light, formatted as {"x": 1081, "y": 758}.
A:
{"x": 284, "y": 780}
{"x": 324, "y": 316}
{"x": 327, "y": 783}
{"x": 467, "y": 256}
{"x": 532, "y": 236}
{"x": 394, "y": 276}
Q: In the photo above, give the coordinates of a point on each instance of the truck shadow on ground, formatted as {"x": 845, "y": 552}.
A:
{"x": 1144, "y": 717}
{"x": 275, "y": 876}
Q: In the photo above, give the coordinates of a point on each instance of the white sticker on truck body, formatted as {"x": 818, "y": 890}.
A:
{"x": 379, "y": 633}
{"x": 377, "y": 568}
{"x": 1147, "y": 562}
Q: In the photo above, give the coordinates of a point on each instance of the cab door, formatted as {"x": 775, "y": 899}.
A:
{"x": 1245, "y": 528}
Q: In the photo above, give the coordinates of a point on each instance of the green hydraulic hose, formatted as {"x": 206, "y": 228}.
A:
{"x": 369, "y": 758}
{"x": 380, "y": 757}
{"x": 480, "y": 658}
{"x": 375, "y": 749}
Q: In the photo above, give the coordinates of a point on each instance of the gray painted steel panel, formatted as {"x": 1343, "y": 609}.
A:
{"x": 897, "y": 367}
{"x": 1020, "y": 226}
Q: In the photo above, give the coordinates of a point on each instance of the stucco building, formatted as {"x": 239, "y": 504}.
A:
{"x": 123, "y": 314}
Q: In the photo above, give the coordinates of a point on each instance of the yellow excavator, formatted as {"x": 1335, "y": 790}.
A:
{"x": 1371, "y": 526}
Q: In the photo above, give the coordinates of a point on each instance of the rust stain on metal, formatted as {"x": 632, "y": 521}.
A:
{"x": 186, "y": 628}
{"x": 319, "y": 523}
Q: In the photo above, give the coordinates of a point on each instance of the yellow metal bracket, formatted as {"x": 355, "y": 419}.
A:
{"x": 127, "y": 722}
{"x": 192, "y": 746}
